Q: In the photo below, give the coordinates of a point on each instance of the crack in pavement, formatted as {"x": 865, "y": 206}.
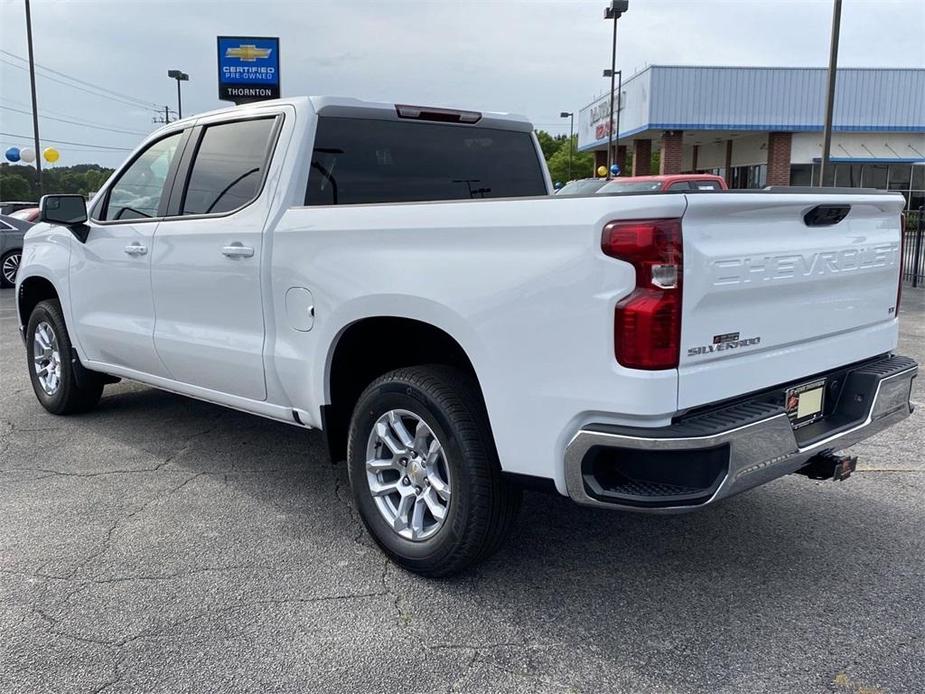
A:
{"x": 454, "y": 685}
{"x": 115, "y": 647}
{"x": 885, "y": 469}
{"x": 479, "y": 653}
{"x": 351, "y": 510}
{"x": 403, "y": 617}
{"x": 142, "y": 577}
{"x": 107, "y": 540}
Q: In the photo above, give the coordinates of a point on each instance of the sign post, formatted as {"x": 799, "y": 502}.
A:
{"x": 248, "y": 68}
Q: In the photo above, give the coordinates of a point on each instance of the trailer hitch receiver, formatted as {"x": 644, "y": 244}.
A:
{"x": 830, "y": 466}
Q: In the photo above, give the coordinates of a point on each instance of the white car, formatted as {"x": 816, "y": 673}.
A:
{"x": 402, "y": 278}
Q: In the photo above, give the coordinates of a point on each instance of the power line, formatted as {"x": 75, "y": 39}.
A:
{"x": 76, "y": 119}
{"x": 141, "y": 102}
{"x": 74, "y": 122}
{"x": 81, "y": 89}
{"x": 66, "y": 142}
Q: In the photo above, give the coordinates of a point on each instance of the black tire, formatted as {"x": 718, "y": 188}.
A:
{"x": 4, "y": 262}
{"x": 68, "y": 397}
{"x": 482, "y": 507}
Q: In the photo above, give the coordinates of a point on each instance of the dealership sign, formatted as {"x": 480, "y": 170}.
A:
{"x": 594, "y": 122}
{"x": 248, "y": 68}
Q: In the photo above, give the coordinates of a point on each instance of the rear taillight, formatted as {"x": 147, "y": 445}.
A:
{"x": 647, "y": 323}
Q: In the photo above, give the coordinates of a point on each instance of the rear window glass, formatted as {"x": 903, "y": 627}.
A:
{"x": 360, "y": 160}
{"x": 638, "y": 187}
{"x": 229, "y": 166}
{"x": 585, "y": 187}
{"x": 705, "y": 185}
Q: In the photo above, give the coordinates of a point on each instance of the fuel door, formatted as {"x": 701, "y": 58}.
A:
{"x": 300, "y": 309}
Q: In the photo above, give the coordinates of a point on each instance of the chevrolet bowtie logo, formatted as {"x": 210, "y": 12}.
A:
{"x": 248, "y": 52}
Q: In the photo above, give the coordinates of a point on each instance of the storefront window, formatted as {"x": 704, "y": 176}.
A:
{"x": 918, "y": 176}
{"x": 900, "y": 175}
{"x": 916, "y": 199}
{"x": 801, "y": 174}
{"x": 875, "y": 176}
{"x": 848, "y": 175}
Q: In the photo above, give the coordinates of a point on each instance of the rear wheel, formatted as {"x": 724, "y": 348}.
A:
{"x": 9, "y": 266}
{"x": 424, "y": 472}
{"x": 53, "y": 376}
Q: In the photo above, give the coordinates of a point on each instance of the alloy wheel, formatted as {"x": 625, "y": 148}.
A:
{"x": 11, "y": 267}
{"x": 46, "y": 358}
{"x": 408, "y": 475}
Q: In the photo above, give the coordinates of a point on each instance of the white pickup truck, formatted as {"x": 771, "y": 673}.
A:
{"x": 402, "y": 278}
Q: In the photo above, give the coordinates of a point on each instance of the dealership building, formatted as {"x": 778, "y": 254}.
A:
{"x": 763, "y": 126}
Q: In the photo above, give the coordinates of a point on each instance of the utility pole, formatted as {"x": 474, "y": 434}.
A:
{"x": 35, "y": 108}
{"x": 830, "y": 96}
{"x": 163, "y": 119}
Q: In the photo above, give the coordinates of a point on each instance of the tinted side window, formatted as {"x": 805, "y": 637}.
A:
{"x": 137, "y": 192}
{"x": 228, "y": 168}
{"x": 679, "y": 186}
{"x": 367, "y": 161}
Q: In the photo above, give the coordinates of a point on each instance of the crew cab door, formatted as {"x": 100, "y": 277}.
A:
{"x": 206, "y": 262}
{"x": 110, "y": 284}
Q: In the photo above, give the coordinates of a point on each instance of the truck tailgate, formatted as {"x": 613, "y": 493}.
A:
{"x": 768, "y": 298}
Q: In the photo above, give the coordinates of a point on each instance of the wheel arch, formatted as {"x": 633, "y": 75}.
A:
{"x": 352, "y": 365}
{"x": 31, "y": 291}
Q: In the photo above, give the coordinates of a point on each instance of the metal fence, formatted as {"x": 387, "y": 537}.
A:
{"x": 914, "y": 248}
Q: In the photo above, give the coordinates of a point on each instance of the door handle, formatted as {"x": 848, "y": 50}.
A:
{"x": 136, "y": 249}
{"x": 237, "y": 250}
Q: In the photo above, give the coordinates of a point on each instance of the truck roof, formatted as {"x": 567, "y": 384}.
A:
{"x": 349, "y": 107}
{"x": 670, "y": 177}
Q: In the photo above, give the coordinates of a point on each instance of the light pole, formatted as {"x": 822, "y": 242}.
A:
{"x": 616, "y": 9}
{"x": 571, "y": 134}
{"x": 179, "y": 76}
{"x": 616, "y": 139}
{"x": 830, "y": 96}
{"x": 35, "y": 108}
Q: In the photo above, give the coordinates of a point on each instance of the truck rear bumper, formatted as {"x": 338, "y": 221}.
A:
{"x": 717, "y": 453}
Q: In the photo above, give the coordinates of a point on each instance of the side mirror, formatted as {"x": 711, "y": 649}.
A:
{"x": 67, "y": 210}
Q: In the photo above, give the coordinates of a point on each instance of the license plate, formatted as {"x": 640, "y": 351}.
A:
{"x": 805, "y": 403}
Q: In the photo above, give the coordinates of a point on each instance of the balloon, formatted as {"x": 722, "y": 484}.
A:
{"x": 51, "y": 155}
{"x": 12, "y": 154}
{"x": 27, "y": 154}
{"x": 601, "y": 170}
{"x": 615, "y": 170}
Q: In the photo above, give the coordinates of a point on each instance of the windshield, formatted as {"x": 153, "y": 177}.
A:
{"x": 583, "y": 187}
{"x": 630, "y": 187}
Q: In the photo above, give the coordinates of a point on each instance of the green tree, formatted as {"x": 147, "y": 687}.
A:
{"x": 14, "y": 187}
{"x": 582, "y": 162}
{"x": 18, "y": 182}
{"x": 548, "y": 143}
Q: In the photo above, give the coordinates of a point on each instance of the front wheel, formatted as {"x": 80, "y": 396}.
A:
{"x": 51, "y": 371}
{"x": 424, "y": 471}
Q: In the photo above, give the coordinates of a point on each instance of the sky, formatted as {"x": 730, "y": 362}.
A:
{"x": 532, "y": 57}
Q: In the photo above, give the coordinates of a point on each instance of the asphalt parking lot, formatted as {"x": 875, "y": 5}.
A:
{"x": 162, "y": 544}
